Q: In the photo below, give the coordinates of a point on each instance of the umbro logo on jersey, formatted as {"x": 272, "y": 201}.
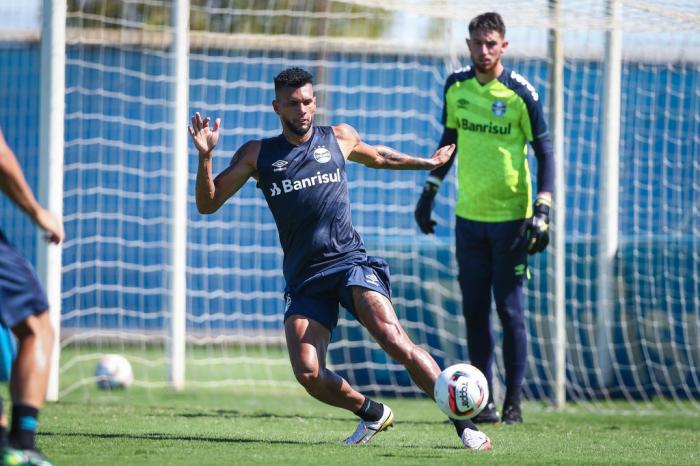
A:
{"x": 280, "y": 165}
{"x": 462, "y": 103}
{"x": 297, "y": 185}
{"x": 321, "y": 154}
{"x": 372, "y": 279}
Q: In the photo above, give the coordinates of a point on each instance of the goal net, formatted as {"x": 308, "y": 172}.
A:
{"x": 379, "y": 66}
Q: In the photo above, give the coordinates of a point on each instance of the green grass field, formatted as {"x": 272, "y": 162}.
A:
{"x": 251, "y": 425}
{"x": 225, "y": 427}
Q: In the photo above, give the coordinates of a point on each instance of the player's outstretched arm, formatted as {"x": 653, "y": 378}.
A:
{"x": 385, "y": 157}
{"x": 210, "y": 192}
{"x": 13, "y": 183}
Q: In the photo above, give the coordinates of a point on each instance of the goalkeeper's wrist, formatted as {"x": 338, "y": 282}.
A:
{"x": 430, "y": 187}
{"x": 542, "y": 205}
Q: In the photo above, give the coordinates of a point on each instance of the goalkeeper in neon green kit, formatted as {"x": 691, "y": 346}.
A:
{"x": 491, "y": 113}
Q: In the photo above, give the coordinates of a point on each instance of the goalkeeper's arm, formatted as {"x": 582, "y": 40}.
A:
{"x": 424, "y": 208}
{"x": 539, "y": 223}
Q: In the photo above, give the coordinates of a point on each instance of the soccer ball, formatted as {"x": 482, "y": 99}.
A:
{"x": 113, "y": 371}
{"x": 461, "y": 391}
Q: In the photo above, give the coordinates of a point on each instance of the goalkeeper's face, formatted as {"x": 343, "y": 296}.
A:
{"x": 296, "y": 108}
{"x": 486, "y": 48}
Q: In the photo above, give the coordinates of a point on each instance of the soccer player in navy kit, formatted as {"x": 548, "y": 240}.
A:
{"x": 301, "y": 173}
{"x": 23, "y": 308}
{"x": 491, "y": 113}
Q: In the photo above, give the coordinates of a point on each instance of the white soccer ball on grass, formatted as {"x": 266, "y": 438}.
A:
{"x": 461, "y": 391}
{"x": 113, "y": 371}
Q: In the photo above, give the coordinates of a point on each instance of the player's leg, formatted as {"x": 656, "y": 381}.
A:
{"x": 3, "y": 424}
{"x": 377, "y": 314}
{"x": 510, "y": 273}
{"x": 474, "y": 263}
{"x": 30, "y": 371}
{"x": 23, "y": 309}
{"x": 307, "y": 344}
{"x": 8, "y": 351}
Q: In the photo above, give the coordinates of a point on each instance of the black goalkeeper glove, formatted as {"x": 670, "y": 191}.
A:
{"x": 425, "y": 207}
{"x": 538, "y": 226}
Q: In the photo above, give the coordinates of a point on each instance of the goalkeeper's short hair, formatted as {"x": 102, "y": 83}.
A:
{"x": 486, "y": 22}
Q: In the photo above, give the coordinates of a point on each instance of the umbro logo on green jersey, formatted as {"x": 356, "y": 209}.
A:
{"x": 490, "y": 128}
{"x": 462, "y": 103}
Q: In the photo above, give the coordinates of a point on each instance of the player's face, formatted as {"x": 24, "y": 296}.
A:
{"x": 486, "y": 49}
{"x": 296, "y": 108}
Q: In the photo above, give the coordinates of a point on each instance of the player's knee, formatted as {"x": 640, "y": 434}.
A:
{"x": 511, "y": 317}
{"x": 310, "y": 379}
{"x": 476, "y": 319}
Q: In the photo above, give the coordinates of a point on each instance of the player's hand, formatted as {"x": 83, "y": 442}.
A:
{"x": 51, "y": 225}
{"x": 442, "y": 155}
{"x": 204, "y": 137}
{"x": 538, "y": 227}
{"x": 424, "y": 208}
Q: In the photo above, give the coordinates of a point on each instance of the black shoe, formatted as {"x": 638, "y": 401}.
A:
{"x": 512, "y": 415}
{"x": 489, "y": 415}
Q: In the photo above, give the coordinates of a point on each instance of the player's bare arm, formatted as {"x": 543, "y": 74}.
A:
{"x": 13, "y": 183}
{"x": 210, "y": 192}
{"x": 385, "y": 157}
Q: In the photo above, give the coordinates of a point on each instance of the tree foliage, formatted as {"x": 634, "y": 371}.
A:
{"x": 295, "y": 17}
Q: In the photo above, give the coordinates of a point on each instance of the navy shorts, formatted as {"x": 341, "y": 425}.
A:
{"x": 318, "y": 299}
{"x": 21, "y": 295}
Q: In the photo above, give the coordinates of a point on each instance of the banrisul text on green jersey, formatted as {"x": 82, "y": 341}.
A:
{"x": 490, "y": 128}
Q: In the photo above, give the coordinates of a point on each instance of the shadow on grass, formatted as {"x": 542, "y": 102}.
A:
{"x": 232, "y": 413}
{"x": 158, "y": 436}
{"x": 185, "y": 438}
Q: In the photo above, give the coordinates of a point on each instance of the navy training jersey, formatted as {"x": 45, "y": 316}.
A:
{"x": 306, "y": 189}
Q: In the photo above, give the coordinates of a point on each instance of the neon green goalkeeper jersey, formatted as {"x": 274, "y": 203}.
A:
{"x": 494, "y": 123}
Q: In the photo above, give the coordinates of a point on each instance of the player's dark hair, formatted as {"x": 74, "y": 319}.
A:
{"x": 292, "y": 77}
{"x": 487, "y": 22}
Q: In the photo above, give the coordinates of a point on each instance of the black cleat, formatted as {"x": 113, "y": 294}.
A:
{"x": 489, "y": 415}
{"x": 512, "y": 415}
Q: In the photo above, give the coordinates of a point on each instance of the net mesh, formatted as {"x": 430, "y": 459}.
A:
{"x": 379, "y": 66}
